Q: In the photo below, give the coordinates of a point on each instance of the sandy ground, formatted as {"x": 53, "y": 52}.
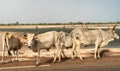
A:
{"x": 106, "y": 63}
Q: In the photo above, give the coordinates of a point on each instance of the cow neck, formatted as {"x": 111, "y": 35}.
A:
{"x": 102, "y": 40}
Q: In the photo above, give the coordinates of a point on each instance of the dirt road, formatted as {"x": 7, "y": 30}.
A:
{"x": 106, "y": 63}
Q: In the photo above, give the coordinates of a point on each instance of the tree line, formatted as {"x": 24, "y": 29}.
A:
{"x": 70, "y": 23}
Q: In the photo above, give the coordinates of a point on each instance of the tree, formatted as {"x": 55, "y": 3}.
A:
{"x": 17, "y": 23}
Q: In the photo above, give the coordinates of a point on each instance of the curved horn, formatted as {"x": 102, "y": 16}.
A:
{"x": 114, "y": 27}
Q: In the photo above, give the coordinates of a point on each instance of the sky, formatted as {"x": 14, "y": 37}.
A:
{"x": 59, "y": 11}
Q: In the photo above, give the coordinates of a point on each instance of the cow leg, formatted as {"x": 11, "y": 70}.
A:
{"x": 62, "y": 53}
{"x": 73, "y": 51}
{"x": 59, "y": 54}
{"x": 8, "y": 47}
{"x": 96, "y": 52}
{"x": 58, "y": 51}
{"x": 10, "y": 56}
{"x": 17, "y": 55}
{"x": 55, "y": 57}
{"x": 38, "y": 58}
{"x": 14, "y": 55}
{"x": 3, "y": 50}
{"x": 79, "y": 55}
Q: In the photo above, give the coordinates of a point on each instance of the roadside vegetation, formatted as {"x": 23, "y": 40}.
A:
{"x": 70, "y": 23}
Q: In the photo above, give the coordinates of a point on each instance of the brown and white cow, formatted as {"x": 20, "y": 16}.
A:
{"x": 13, "y": 41}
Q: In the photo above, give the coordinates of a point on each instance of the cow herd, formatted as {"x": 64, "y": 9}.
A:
{"x": 78, "y": 37}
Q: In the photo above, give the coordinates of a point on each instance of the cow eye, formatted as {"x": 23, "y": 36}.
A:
{"x": 77, "y": 38}
{"x": 25, "y": 34}
{"x": 35, "y": 38}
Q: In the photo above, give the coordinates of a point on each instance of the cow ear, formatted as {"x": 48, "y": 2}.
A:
{"x": 114, "y": 27}
{"x": 25, "y": 34}
{"x": 9, "y": 35}
{"x": 35, "y": 37}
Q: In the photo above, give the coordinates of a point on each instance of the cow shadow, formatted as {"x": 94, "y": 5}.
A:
{"x": 57, "y": 61}
{"x": 104, "y": 52}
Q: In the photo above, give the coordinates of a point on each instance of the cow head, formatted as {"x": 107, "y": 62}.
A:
{"x": 24, "y": 38}
{"x": 32, "y": 42}
{"x": 113, "y": 34}
{"x": 62, "y": 36}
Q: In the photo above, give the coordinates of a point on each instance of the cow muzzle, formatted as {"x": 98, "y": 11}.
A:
{"x": 116, "y": 36}
{"x": 29, "y": 47}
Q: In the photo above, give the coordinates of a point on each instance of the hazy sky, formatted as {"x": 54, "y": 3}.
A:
{"x": 57, "y": 11}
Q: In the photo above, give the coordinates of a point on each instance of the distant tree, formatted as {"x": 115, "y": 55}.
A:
{"x": 87, "y": 23}
{"x": 17, "y": 23}
{"x": 70, "y": 23}
{"x": 117, "y": 22}
{"x": 80, "y": 23}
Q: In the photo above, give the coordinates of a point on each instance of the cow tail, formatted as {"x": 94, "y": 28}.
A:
{"x": 7, "y": 42}
{"x": 9, "y": 53}
{"x": 3, "y": 48}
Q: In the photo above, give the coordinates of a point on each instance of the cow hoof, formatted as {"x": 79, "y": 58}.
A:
{"x": 37, "y": 64}
{"x": 53, "y": 61}
{"x": 72, "y": 57}
{"x": 63, "y": 56}
{"x": 59, "y": 61}
{"x": 96, "y": 58}
{"x": 82, "y": 59}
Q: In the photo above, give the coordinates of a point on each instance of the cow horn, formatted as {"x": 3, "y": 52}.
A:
{"x": 114, "y": 27}
{"x": 37, "y": 33}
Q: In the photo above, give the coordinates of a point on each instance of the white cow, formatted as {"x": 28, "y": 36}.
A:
{"x": 46, "y": 40}
{"x": 97, "y": 37}
{"x": 67, "y": 42}
{"x": 12, "y": 41}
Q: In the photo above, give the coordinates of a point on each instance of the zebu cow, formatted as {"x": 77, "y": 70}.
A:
{"x": 67, "y": 42}
{"x": 36, "y": 42}
{"x": 66, "y": 39}
{"x": 97, "y": 37}
{"x": 13, "y": 41}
